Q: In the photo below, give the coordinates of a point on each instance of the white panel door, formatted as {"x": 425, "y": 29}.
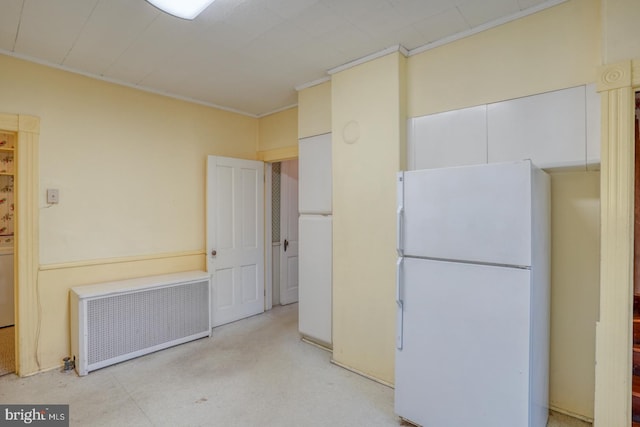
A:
{"x": 235, "y": 238}
{"x": 315, "y": 175}
{"x": 315, "y": 309}
{"x": 452, "y": 138}
{"x": 471, "y": 213}
{"x": 549, "y": 129}
{"x": 289, "y": 232}
{"x": 465, "y": 354}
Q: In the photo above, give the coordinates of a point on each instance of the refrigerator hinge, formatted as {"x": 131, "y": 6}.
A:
{"x": 400, "y": 304}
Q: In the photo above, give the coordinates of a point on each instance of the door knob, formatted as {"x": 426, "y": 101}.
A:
{"x": 214, "y": 253}
{"x": 286, "y": 243}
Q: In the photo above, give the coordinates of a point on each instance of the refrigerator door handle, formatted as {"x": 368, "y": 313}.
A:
{"x": 399, "y": 227}
{"x": 400, "y": 308}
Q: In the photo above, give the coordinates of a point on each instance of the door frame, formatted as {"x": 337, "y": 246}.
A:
{"x": 26, "y": 240}
{"x": 270, "y": 157}
{"x": 617, "y": 84}
{"x": 268, "y": 229}
{"x": 285, "y": 206}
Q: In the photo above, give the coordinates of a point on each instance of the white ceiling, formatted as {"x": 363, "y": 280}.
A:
{"x": 242, "y": 55}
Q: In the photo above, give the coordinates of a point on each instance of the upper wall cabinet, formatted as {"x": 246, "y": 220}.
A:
{"x": 555, "y": 130}
{"x": 314, "y": 175}
{"x": 452, "y": 138}
{"x": 549, "y": 129}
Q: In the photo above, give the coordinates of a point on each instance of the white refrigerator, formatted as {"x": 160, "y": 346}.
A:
{"x": 472, "y": 345}
{"x": 315, "y": 239}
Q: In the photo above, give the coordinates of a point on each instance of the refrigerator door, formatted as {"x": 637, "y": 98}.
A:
{"x": 315, "y": 275}
{"x": 465, "y": 349}
{"x": 314, "y": 178}
{"x": 473, "y": 213}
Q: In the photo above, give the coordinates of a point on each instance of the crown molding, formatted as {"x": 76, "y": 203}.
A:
{"x": 123, "y": 83}
{"x": 364, "y": 59}
{"x": 313, "y": 83}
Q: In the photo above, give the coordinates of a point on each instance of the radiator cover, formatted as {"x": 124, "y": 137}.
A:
{"x": 116, "y": 321}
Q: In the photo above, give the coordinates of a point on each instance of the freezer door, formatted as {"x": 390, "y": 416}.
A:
{"x": 314, "y": 178}
{"x": 465, "y": 350}
{"x": 474, "y": 213}
{"x": 314, "y": 275}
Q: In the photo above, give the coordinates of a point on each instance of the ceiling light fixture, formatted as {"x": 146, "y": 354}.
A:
{"x": 185, "y": 9}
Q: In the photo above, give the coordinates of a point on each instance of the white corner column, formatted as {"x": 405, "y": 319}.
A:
{"x": 614, "y": 327}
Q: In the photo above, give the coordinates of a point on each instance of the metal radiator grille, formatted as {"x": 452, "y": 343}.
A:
{"x": 123, "y": 324}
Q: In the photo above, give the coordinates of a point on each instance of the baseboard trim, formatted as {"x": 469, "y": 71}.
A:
{"x": 570, "y": 414}
{"x": 317, "y": 344}
{"x": 362, "y": 374}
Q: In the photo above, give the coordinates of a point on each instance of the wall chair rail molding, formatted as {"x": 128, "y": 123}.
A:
{"x": 120, "y": 260}
{"x": 616, "y": 84}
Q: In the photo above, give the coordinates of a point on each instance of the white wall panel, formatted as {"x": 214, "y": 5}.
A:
{"x": 315, "y": 280}
{"x": 452, "y": 138}
{"x": 549, "y": 129}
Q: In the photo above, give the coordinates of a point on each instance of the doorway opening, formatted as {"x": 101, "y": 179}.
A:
{"x": 8, "y": 143}
{"x": 284, "y": 232}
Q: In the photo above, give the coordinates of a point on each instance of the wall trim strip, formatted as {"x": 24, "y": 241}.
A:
{"x": 278, "y": 154}
{"x": 119, "y": 260}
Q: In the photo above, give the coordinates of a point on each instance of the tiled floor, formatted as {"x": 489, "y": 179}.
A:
{"x": 255, "y": 372}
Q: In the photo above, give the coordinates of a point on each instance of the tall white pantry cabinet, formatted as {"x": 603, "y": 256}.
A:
{"x": 315, "y": 239}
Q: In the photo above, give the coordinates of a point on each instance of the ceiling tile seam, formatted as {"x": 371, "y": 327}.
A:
{"x": 84, "y": 25}
{"x": 170, "y": 55}
{"x": 15, "y": 39}
{"x": 464, "y": 18}
{"x": 135, "y": 39}
{"x": 486, "y": 26}
{"x": 122, "y": 83}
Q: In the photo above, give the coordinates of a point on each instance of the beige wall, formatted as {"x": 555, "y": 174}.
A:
{"x": 556, "y": 48}
{"x": 314, "y": 110}
{"x": 575, "y": 274}
{"x": 621, "y": 32}
{"x": 278, "y": 130}
{"x": 367, "y": 128}
{"x": 130, "y": 167}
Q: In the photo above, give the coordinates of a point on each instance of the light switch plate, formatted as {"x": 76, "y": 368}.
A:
{"x": 53, "y": 196}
